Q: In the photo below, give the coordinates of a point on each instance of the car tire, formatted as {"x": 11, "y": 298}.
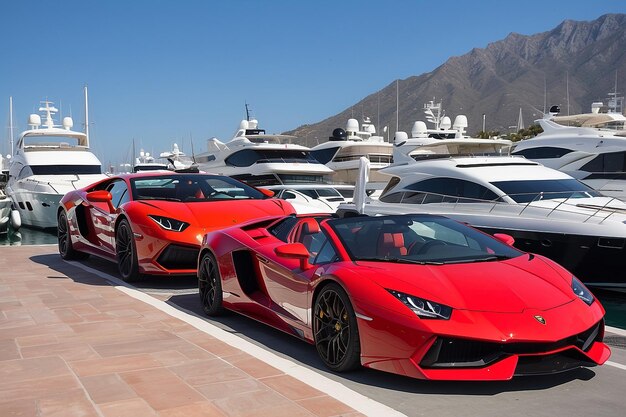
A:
{"x": 66, "y": 249}
{"x": 210, "y": 285}
{"x": 335, "y": 329}
{"x": 126, "y": 252}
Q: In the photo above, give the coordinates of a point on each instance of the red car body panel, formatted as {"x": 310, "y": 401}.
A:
{"x": 92, "y": 225}
{"x": 521, "y": 309}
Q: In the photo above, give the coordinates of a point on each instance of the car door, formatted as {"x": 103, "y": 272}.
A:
{"x": 103, "y": 219}
{"x": 288, "y": 286}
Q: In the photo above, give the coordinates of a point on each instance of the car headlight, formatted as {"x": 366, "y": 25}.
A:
{"x": 169, "y": 224}
{"x": 423, "y": 308}
{"x": 581, "y": 291}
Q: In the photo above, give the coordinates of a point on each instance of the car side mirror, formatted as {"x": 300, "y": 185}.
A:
{"x": 294, "y": 251}
{"x": 101, "y": 196}
{"x": 266, "y": 192}
{"x": 504, "y": 238}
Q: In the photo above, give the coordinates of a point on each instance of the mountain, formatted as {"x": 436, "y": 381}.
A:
{"x": 580, "y": 57}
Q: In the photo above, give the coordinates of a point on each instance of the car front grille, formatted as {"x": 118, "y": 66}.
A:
{"x": 464, "y": 353}
{"x": 179, "y": 257}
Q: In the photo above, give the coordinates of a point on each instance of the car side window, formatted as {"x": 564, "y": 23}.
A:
{"x": 119, "y": 193}
{"x": 326, "y": 253}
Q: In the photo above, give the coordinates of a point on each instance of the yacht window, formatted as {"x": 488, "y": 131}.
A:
{"x": 66, "y": 169}
{"x": 248, "y": 157}
{"x": 324, "y": 156}
{"x": 544, "y": 152}
{"x": 301, "y": 178}
{"x": 532, "y": 190}
{"x": 392, "y": 183}
{"x": 607, "y": 162}
{"x": 453, "y": 187}
{"x": 392, "y": 198}
{"x": 258, "y": 180}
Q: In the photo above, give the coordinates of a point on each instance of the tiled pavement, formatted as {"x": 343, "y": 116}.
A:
{"x": 81, "y": 347}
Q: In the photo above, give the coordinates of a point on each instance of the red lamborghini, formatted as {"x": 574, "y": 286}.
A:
{"x": 417, "y": 295}
{"x": 153, "y": 222}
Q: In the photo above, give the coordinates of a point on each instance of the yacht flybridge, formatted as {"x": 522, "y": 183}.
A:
{"x": 546, "y": 211}
{"x": 261, "y": 159}
{"x": 344, "y": 148}
{"x": 48, "y": 162}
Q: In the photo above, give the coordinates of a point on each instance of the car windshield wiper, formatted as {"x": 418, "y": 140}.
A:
{"x": 400, "y": 261}
{"x": 485, "y": 259}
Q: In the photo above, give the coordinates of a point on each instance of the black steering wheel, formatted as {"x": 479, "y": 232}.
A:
{"x": 420, "y": 250}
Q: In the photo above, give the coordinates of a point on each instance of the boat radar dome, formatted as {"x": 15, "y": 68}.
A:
{"x": 253, "y": 124}
{"x": 419, "y": 130}
{"x": 399, "y": 138}
{"x": 339, "y": 134}
{"x": 446, "y": 123}
{"x": 352, "y": 125}
{"x": 460, "y": 122}
{"x": 34, "y": 120}
{"x": 68, "y": 123}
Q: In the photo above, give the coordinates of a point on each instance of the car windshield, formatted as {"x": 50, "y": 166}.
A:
{"x": 192, "y": 188}
{"x": 532, "y": 190}
{"x": 421, "y": 239}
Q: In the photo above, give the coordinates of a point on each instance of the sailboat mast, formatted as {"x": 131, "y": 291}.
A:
{"x": 11, "y": 123}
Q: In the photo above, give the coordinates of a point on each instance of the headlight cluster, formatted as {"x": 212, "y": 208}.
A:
{"x": 423, "y": 308}
{"x": 581, "y": 291}
{"x": 169, "y": 224}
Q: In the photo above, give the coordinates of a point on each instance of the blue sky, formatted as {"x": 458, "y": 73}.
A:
{"x": 161, "y": 72}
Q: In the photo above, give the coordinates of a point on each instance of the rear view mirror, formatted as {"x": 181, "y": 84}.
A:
{"x": 504, "y": 238}
{"x": 294, "y": 251}
{"x": 266, "y": 192}
{"x": 101, "y": 196}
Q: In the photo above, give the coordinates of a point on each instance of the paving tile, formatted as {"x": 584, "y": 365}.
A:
{"x": 204, "y": 409}
{"x": 16, "y": 371}
{"x": 254, "y": 366}
{"x": 69, "y": 403}
{"x": 19, "y": 408}
{"x": 37, "y": 340}
{"x": 69, "y": 351}
{"x": 36, "y": 388}
{"x": 161, "y": 389}
{"x": 291, "y": 387}
{"x": 325, "y": 406}
{"x": 9, "y": 350}
{"x": 225, "y": 389}
{"x": 107, "y": 388}
{"x": 208, "y": 371}
{"x": 114, "y": 364}
{"x": 135, "y": 407}
{"x": 260, "y": 403}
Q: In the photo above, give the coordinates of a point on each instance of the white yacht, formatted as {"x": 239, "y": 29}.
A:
{"x": 267, "y": 160}
{"x": 48, "y": 162}
{"x": 594, "y": 156}
{"x": 146, "y": 162}
{"x": 344, "y": 148}
{"x": 546, "y": 211}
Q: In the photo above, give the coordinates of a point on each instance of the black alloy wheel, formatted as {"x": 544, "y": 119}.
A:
{"x": 210, "y": 285}
{"x": 126, "y": 253}
{"x": 66, "y": 250}
{"x": 335, "y": 329}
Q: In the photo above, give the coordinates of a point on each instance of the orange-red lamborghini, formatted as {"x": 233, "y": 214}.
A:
{"x": 153, "y": 222}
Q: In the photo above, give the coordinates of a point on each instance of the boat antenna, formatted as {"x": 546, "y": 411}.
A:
{"x": 11, "y": 123}
{"x": 247, "y": 112}
{"x": 397, "y": 108}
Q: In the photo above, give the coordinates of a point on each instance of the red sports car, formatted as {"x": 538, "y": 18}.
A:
{"x": 153, "y": 222}
{"x": 417, "y": 295}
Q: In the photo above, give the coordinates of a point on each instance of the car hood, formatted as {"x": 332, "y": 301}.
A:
{"x": 218, "y": 214}
{"x": 525, "y": 282}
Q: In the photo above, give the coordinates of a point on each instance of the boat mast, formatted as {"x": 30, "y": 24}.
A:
{"x": 11, "y": 123}
{"x": 86, "y": 115}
